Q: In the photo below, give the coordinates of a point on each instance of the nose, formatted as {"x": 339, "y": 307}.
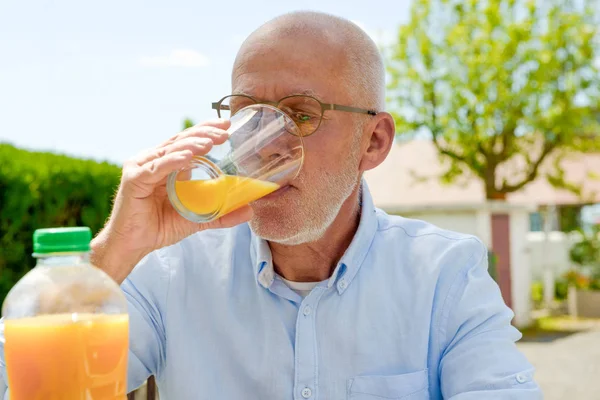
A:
{"x": 267, "y": 146}
{"x": 280, "y": 156}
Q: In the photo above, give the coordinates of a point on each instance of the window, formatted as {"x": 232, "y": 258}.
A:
{"x": 536, "y": 222}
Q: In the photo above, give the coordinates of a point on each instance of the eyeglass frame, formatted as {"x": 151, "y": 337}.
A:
{"x": 219, "y": 106}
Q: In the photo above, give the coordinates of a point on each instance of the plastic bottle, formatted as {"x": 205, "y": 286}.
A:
{"x": 66, "y": 326}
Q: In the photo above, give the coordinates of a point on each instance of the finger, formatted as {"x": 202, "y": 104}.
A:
{"x": 158, "y": 169}
{"x": 239, "y": 216}
{"x": 219, "y": 136}
{"x": 198, "y": 146}
{"x": 220, "y": 123}
{"x": 217, "y": 128}
{"x": 147, "y": 155}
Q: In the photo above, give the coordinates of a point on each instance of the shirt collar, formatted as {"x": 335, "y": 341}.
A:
{"x": 347, "y": 267}
{"x": 262, "y": 261}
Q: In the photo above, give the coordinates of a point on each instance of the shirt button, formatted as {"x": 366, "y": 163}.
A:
{"x": 306, "y": 393}
{"x": 306, "y": 311}
{"x": 521, "y": 378}
{"x": 343, "y": 284}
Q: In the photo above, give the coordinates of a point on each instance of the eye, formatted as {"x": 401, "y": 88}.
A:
{"x": 301, "y": 116}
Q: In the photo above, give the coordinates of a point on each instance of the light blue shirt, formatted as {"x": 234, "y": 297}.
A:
{"x": 410, "y": 312}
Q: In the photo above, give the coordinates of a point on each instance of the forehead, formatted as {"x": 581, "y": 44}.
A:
{"x": 289, "y": 92}
{"x": 271, "y": 69}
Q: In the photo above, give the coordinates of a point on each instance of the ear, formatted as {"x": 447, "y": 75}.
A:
{"x": 380, "y": 134}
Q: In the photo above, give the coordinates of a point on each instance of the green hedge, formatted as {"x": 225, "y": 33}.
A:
{"x": 41, "y": 190}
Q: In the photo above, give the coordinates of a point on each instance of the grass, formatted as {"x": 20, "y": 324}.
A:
{"x": 550, "y": 328}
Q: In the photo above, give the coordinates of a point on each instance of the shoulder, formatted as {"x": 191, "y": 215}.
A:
{"x": 432, "y": 254}
{"x": 418, "y": 236}
{"x": 441, "y": 262}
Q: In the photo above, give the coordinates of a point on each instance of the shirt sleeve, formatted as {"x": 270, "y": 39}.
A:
{"x": 481, "y": 359}
{"x": 146, "y": 290}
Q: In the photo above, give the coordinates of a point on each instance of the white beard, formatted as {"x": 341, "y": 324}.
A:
{"x": 294, "y": 220}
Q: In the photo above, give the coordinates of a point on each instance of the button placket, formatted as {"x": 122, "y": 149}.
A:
{"x": 305, "y": 363}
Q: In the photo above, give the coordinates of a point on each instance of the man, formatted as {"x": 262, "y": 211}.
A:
{"x": 319, "y": 295}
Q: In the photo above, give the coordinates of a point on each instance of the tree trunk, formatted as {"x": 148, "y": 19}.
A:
{"x": 491, "y": 193}
{"x": 496, "y": 196}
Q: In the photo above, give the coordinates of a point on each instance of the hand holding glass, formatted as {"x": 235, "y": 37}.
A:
{"x": 264, "y": 152}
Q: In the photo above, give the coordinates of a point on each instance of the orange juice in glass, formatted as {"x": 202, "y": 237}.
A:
{"x": 227, "y": 192}
{"x": 264, "y": 153}
{"x": 66, "y": 326}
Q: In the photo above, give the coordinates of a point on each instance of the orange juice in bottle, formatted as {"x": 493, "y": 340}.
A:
{"x": 66, "y": 327}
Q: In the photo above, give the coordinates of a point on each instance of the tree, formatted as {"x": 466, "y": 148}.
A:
{"x": 500, "y": 83}
{"x": 187, "y": 123}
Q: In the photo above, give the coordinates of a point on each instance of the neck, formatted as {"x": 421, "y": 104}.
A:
{"x": 315, "y": 261}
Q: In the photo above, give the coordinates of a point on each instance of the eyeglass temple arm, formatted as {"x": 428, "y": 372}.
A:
{"x": 349, "y": 109}
{"x": 219, "y": 106}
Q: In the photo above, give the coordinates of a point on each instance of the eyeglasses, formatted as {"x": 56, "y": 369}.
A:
{"x": 306, "y": 111}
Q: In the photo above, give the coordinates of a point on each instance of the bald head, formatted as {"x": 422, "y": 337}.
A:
{"x": 345, "y": 48}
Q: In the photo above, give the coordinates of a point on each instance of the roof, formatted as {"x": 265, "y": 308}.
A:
{"x": 398, "y": 182}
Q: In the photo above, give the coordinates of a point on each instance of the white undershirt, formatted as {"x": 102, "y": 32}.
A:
{"x": 302, "y": 288}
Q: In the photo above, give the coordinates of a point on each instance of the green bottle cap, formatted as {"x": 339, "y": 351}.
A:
{"x": 62, "y": 240}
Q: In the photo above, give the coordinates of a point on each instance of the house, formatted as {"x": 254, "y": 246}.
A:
{"x": 405, "y": 184}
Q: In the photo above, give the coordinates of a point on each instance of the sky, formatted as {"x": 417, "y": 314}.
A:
{"x": 108, "y": 79}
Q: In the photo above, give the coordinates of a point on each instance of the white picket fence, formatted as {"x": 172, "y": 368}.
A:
{"x": 551, "y": 255}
